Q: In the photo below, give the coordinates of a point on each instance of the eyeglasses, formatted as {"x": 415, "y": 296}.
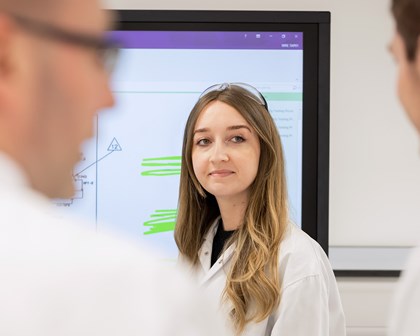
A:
{"x": 106, "y": 50}
{"x": 253, "y": 93}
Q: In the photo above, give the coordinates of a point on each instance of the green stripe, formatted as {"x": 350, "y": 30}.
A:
{"x": 159, "y": 162}
{"x": 161, "y": 172}
{"x": 172, "y": 211}
{"x": 161, "y": 227}
{"x": 162, "y": 221}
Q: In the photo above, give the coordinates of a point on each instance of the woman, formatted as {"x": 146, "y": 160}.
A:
{"x": 233, "y": 230}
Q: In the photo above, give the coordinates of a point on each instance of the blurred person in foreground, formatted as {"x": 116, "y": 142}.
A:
{"x": 405, "y": 48}
{"x": 56, "y": 278}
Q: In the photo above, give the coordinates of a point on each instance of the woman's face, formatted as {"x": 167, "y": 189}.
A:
{"x": 225, "y": 152}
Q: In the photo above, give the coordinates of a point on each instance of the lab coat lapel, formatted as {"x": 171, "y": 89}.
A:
{"x": 205, "y": 252}
{"x": 218, "y": 265}
{"x": 205, "y": 255}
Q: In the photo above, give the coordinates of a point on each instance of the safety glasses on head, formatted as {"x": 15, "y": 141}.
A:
{"x": 253, "y": 93}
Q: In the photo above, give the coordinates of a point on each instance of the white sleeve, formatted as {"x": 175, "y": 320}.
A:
{"x": 307, "y": 308}
{"x": 404, "y": 320}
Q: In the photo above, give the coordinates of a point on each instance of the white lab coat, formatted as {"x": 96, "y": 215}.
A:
{"x": 310, "y": 304}
{"x": 57, "y": 279}
{"x": 404, "y": 320}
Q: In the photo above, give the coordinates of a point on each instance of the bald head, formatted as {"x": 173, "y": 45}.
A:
{"x": 61, "y": 13}
{"x": 33, "y": 7}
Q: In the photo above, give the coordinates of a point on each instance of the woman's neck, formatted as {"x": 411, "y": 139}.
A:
{"x": 232, "y": 212}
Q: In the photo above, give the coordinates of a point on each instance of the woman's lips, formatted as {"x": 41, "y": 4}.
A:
{"x": 221, "y": 173}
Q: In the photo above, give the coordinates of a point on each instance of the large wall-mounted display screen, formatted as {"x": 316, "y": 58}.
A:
{"x": 128, "y": 178}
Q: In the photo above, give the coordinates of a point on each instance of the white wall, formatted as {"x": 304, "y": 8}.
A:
{"x": 375, "y": 169}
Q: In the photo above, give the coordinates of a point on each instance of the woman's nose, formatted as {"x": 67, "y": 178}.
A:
{"x": 219, "y": 152}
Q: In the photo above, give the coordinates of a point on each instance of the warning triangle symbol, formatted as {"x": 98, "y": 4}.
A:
{"x": 114, "y": 146}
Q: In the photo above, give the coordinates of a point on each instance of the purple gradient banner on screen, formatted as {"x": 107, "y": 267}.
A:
{"x": 208, "y": 40}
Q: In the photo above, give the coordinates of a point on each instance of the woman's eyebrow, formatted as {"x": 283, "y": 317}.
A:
{"x": 236, "y": 127}
{"x": 201, "y": 130}
{"x": 229, "y": 128}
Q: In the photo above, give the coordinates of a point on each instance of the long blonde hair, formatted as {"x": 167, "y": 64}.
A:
{"x": 253, "y": 284}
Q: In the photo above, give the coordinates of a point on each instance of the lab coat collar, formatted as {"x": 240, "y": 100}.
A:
{"x": 205, "y": 254}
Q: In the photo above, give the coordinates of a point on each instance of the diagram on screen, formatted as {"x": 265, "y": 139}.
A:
{"x": 84, "y": 201}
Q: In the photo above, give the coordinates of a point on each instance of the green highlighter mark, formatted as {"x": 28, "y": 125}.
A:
{"x": 165, "y": 164}
{"x": 161, "y": 221}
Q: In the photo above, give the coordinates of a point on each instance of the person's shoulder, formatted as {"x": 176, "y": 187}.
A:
{"x": 82, "y": 271}
{"x": 299, "y": 245}
{"x": 100, "y": 282}
{"x": 301, "y": 257}
{"x": 405, "y": 307}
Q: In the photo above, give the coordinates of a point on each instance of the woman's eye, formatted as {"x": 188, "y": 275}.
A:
{"x": 237, "y": 139}
{"x": 203, "y": 142}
